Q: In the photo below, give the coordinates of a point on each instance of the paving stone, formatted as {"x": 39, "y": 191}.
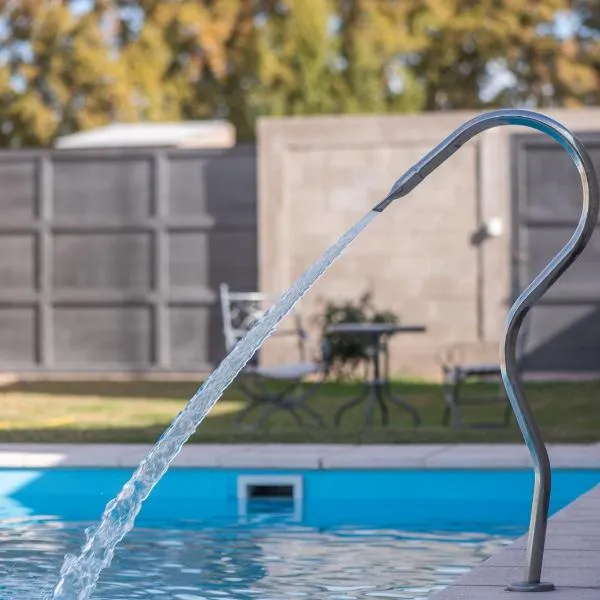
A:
{"x": 383, "y": 456}
{"x": 559, "y": 576}
{"x": 568, "y": 542}
{"x": 571, "y": 560}
{"x": 571, "y": 528}
{"x": 465, "y": 592}
{"x": 328, "y": 456}
{"x": 481, "y": 456}
{"x": 515, "y": 557}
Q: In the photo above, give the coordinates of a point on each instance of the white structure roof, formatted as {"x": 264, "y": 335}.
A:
{"x": 184, "y": 134}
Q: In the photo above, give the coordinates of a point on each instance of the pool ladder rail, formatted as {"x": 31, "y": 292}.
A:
{"x": 534, "y": 291}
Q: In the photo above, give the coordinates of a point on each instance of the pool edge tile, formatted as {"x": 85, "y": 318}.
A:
{"x": 573, "y": 557}
{"x": 302, "y": 456}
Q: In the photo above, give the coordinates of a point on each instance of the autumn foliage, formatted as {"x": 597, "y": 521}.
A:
{"x": 71, "y": 65}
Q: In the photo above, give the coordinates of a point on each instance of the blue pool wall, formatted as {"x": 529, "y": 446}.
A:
{"x": 441, "y": 499}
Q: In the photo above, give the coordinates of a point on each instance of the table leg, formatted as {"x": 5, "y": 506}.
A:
{"x": 378, "y": 386}
{"x": 403, "y": 404}
{"x": 354, "y": 402}
{"x": 399, "y": 402}
{"x": 380, "y": 398}
{"x": 377, "y": 390}
{"x": 375, "y": 397}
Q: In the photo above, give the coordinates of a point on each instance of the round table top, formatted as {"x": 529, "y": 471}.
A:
{"x": 373, "y": 328}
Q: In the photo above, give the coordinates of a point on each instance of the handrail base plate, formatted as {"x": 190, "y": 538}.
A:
{"x": 524, "y": 586}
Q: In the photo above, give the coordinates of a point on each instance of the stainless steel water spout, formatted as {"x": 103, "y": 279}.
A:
{"x": 536, "y": 289}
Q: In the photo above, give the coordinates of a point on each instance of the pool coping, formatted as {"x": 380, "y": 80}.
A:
{"x": 303, "y": 456}
{"x": 571, "y": 560}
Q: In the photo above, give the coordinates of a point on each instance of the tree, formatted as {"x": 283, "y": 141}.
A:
{"x": 66, "y": 66}
{"x": 295, "y": 56}
{"x": 373, "y": 43}
{"x": 301, "y": 57}
{"x": 583, "y": 47}
{"x": 463, "y": 47}
{"x": 58, "y": 74}
{"x": 192, "y": 59}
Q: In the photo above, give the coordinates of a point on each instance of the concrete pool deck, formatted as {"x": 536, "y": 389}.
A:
{"x": 571, "y": 560}
{"x": 303, "y": 456}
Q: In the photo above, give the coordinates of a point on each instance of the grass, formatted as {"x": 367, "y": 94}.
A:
{"x": 138, "y": 412}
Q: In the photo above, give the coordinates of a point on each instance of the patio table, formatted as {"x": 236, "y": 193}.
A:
{"x": 377, "y": 388}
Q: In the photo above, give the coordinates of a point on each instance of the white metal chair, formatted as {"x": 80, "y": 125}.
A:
{"x": 279, "y": 387}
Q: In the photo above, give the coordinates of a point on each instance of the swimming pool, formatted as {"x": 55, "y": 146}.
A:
{"x": 266, "y": 534}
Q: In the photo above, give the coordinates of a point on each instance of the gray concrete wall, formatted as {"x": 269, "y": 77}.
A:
{"x": 318, "y": 175}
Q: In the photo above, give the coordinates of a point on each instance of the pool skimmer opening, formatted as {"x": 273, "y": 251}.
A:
{"x": 270, "y": 487}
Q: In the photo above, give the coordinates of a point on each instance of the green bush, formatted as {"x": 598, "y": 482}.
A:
{"x": 347, "y": 352}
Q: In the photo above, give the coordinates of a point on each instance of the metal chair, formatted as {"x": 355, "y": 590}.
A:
{"x": 458, "y": 370}
{"x": 279, "y": 387}
{"x": 477, "y": 362}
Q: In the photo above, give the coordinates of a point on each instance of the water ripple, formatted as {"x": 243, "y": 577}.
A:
{"x": 248, "y": 563}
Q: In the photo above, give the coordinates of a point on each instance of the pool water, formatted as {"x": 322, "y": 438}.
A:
{"x": 253, "y": 561}
{"x": 352, "y": 535}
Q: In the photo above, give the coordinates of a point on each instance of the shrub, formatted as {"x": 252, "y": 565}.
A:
{"x": 346, "y": 352}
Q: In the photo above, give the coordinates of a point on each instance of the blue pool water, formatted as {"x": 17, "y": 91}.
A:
{"x": 346, "y": 534}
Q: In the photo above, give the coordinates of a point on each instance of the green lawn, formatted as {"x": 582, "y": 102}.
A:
{"x": 139, "y": 411}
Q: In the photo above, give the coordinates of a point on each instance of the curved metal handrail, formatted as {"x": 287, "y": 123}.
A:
{"x": 534, "y": 291}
